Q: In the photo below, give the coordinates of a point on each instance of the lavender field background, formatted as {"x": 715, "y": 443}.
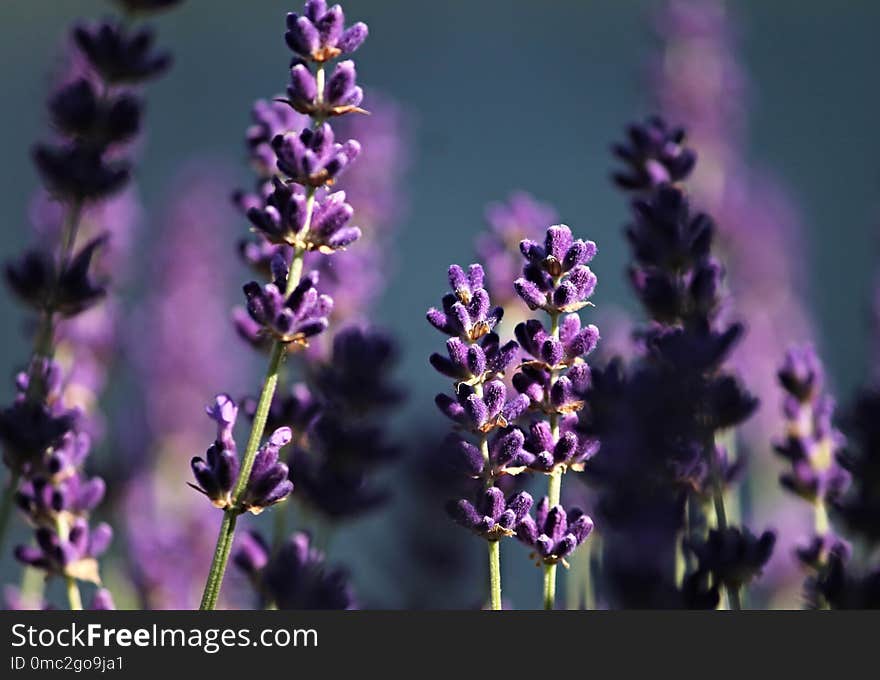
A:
{"x": 495, "y": 96}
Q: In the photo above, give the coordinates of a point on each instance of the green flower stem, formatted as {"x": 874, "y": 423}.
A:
{"x": 554, "y": 484}
{"x": 549, "y": 586}
{"x": 74, "y": 600}
{"x": 495, "y": 575}
{"x": 270, "y": 383}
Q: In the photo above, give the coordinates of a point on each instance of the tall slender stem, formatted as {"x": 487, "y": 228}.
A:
{"x": 554, "y": 483}
{"x": 495, "y": 575}
{"x": 549, "y": 586}
{"x": 74, "y": 599}
{"x": 270, "y": 383}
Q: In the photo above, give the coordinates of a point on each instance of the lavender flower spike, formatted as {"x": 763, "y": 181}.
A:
{"x": 467, "y": 312}
{"x": 292, "y": 220}
{"x": 492, "y": 516}
{"x": 554, "y": 534}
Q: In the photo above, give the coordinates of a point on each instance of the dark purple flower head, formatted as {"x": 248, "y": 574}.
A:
{"x": 733, "y": 556}
{"x": 556, "y": 277}
{"x": 294, "y": 319}
{"x": 319, "y": 34}
{"x": 801, "y": 374}
{"x": 482, "y": 412}
{"x": 554, "y": 533}
{"x": 296, "y": 576}
{"x": 860, "y": 508}
{"x": 666, "y": 235}
{"x": 341, "y": 94}
{"x": 313, "y": 157}
{"x": 506, "y": 455}
{"x": 74, "y": 556}
{"x": 76, "y": 173}
{"x": 336, "y": 491}
{"x": 282, "y": 220}
{"x": 653, "y": 154}
{"x": 492, "y": 517}
{"x": 216, "y": 474}
{"x": 357, "y": 378}
{"x": 573, "y": 344}
{"x": 477, "y": 362}
{"x": 467, "y": 312}
{"x": 841, "y": 585}
{"x": 118, "y": 55}
{"x": 35, "y": 280}
{"x": 96, "y": 122}
{"x": 268, "y": 482}
{"x": 29, "y": 428}
{"x": 568, "y": 451}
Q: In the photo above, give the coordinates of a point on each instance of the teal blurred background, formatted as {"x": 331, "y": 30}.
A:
{"x": 503, "y": 95}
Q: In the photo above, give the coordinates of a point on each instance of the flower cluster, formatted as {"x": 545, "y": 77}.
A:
{"x": 297, "y": 159}
{"x": 659, "y": 419}
{"x": 95, "y": 114}
{"x": 490, "y": 445}
{"x": 810, "y": 446}
{"x": 217, "y": 473}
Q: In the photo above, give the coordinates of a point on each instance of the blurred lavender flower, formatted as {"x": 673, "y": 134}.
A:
{"x": 293, "y": 577}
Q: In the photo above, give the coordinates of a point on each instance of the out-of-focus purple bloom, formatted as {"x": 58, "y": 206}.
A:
{"x": 860, "y": 508}
{"x": 118, "y": 55}
{"x": 36, "y": 281}
{"x": 653, "y": 154}
{"x": 492, "y": 516}
{"x": 74, "y": 555}
{"x": 811, "y": 444}
{"x": 734, "y": 556}
{"x": 554, "y": 533}
{"x": 295, "y": 576}
{"x": 319, "y": 34}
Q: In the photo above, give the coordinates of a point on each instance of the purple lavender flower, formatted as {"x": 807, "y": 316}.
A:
{"x": 72, "y": 556}
{"x": 472, "y": 363}
{"x": 733, "y": 556}
{"x": 313, "y": 157}
{"x": 481, "y": 413}
{"x": 554, "y": 533}
{"x": 119, "y": 56}
{"x": 282, "y": 220}
{"x": 492, "y": 516}
{"x": 268, "y": 483}
{"x": 294, "y": 577}
{"x": 467, "y": 311}
{"x": 811, "y": 444}
{"x": 37, "y": 281}
{"x": 507, "y": 455}
{"x": 319, "y": 33}
{"x": 653, "y": 154}
{"x": 292, "y": 319}
{"x": 556, "y": 278}
{"x": 341, "y": 94}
